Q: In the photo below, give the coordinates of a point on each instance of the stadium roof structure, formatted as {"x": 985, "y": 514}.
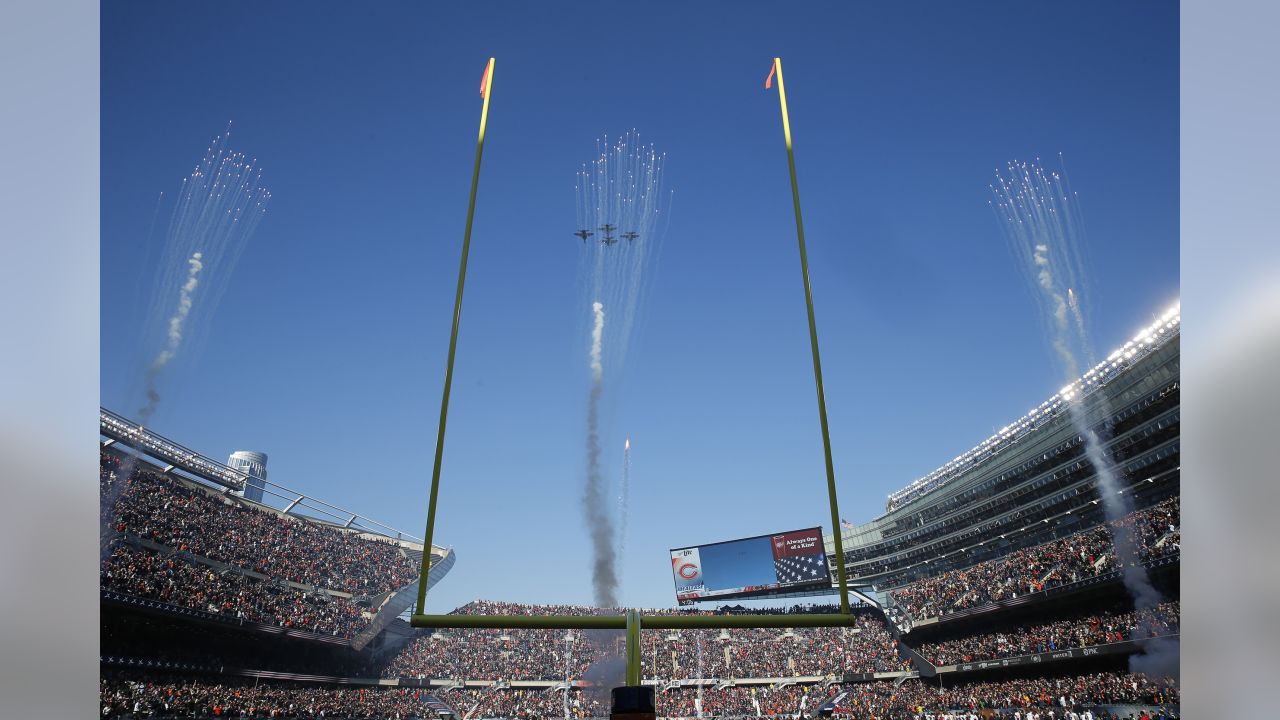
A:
{"x": 1150, "y": 338}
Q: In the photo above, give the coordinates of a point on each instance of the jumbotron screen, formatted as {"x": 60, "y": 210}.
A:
{"x": 795, "y": 560}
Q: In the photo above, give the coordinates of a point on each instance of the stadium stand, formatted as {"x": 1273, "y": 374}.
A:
{"x": 161, "y": 509}
{"x": 1078, "y": 631}
{"x": 175, "y": 696}
{"x": 1089, "y": 553}
{"x": 1016, "y": 698}
{"x": 174, "y": 579}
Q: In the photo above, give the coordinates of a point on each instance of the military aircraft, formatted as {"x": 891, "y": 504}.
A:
{"x": 630, "y": 236}
{"x": 608, "y": 240}
{"x": 584, "y": 234}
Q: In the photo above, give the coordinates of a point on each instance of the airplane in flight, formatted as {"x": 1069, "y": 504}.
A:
{"x": 584, "y": 234}
{"x": 608, "y": 240}
{"x": 630, "y": 236}
{"x": 608, "y": 229}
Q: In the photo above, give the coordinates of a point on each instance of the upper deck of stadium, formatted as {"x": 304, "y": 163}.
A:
{"x": 199, "y": 476}
{"x": 1030, "y": 482}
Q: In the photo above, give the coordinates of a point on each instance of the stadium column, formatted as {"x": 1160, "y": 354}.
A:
{"x": 813, "y": 341}
{"x": 486, "y": 90}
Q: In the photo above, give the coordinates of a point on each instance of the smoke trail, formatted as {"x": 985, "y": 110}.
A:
{"x": 185, "y": 298}
{"x": 604, "y": 576}
{"x": 608, "y": 668}
{"x": 597, "y": 335}
{"x": 217, "y": 210}
{"x": 1160, "y": 656}
{"x": 1040, "y": 220}
{"x": 624, "y": 501}
{"x": 1073, "y": 302}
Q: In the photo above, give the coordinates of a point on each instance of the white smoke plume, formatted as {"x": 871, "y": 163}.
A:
{"x": 186, "y": 297}
{"x": 597, "y": 335}
{"x": 604, "y": 573}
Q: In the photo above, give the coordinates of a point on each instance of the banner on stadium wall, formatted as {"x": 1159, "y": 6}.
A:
{"x": 695, "y": 682}
{"x": 794, "y": 560}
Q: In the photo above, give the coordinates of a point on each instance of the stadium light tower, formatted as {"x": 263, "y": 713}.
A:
{"x": 633, "y": 701}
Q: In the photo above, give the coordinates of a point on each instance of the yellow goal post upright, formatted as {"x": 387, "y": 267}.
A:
{"x": 633, "y": 621}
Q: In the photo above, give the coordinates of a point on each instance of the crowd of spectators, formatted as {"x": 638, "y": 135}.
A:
{"x": 1024, "y": 699}
{"x": 685, "y": 702}
{"x": 183, "y": 697}
{"x": 1080, "y": 631}
{"x": 1044, "y": 698}
{"x": 176, "y": 580}
{"x": 161, "y": 509}
{"x": 917, "y": 699}
{"x": 772, "y": 652}
{"x": 1086, "y": 554}
{"x": 485, "y": 654}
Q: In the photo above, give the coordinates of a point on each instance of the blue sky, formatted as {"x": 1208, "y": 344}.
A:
{"x": 327, "y": 350}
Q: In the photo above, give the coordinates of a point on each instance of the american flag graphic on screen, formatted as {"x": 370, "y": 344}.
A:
{"x": 800, "y": 557}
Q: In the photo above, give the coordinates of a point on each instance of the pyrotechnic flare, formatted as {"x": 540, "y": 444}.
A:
{"x": 1040, "y": 221}
{"x": 1074, "y": 304}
